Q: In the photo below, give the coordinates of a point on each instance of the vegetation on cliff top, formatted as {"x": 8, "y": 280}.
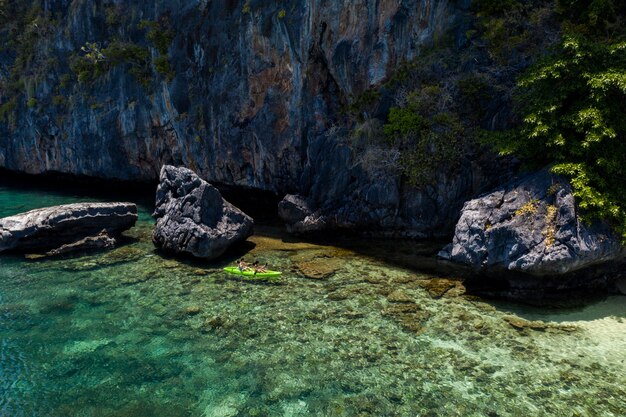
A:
{"x": 571, "y": 106}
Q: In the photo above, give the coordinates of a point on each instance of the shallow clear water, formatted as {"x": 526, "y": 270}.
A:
{"x": 131, "y": 333}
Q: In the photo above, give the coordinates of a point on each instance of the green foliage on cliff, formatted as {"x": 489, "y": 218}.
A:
{"x": 163, "y": 67}
{"x": 475, "y": 90}
{"x": 427, "y": 135}
{"x": 96, "y": 61}
{"x": 158, "y": 34}
{"x": 22, "y": 26}
{"x": 431, "y": 111}
{"x": 571, "y": 104}
{"x": 6, "y": 10}
{"x": 603, "y": 20}
{"x": 7, "y": 109}
{"x": 161, "y": 36}
{"x": 514, "y": 30}
{"x": 363, "y": 102}
{"x": 404, "y": 122}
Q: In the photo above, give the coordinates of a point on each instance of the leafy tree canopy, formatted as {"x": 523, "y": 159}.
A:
{"x": 572, "y": 105}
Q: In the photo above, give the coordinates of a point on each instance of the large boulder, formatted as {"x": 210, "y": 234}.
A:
{"x": 531, "y": 226}
{"x": 54, "y": 227}
{"x": 193, "y": 218}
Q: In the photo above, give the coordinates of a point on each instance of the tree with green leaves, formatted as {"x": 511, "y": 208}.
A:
{"x": 572, "y": 106}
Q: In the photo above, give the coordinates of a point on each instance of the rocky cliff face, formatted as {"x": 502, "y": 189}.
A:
{"x": 246, "y": 97}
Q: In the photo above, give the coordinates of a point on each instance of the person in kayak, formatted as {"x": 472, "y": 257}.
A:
{"x": 242, "y": 265}
{"x": 258, "y": 268}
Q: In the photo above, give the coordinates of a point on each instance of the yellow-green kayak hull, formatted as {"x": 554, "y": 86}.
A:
{"x": 250, "y": 272}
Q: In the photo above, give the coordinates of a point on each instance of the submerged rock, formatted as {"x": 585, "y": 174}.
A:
{"x": 409, "y": 316}
{"x": 190, "y": 311}
{"x": 67, "y": 227}
{"x": 531, "y": 226}
{"x": 100, "y": 241}
{"x": 318, "y": 269}
{"x": 438, "y": 287}
{"x": 519, "y": 323}
{"x": 319, "y": 263}
{"x": 399, "y": 296}
{"x": 193, "y": 218}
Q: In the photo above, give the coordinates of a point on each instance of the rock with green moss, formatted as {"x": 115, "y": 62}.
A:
{"x": 531, "y": 226}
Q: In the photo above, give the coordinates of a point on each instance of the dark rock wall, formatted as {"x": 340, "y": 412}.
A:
{"x": 257, "y": 85}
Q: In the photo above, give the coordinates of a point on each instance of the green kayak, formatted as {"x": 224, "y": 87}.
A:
{"x": 250, "y": 273}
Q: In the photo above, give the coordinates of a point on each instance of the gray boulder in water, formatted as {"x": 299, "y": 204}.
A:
{"x": 298, "y": 214}
{"x": 294, "y": 208}
{"x": 193, "y": 218}
{"x": 531, "y": 226}
{"x": 54, "y": 227}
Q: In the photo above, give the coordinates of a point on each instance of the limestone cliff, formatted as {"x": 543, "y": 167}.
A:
{"x": 242, "y": 92}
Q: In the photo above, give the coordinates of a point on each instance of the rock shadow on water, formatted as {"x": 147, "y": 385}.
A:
{"x": 198, "y": 266}
{"x": 232, "y": 254}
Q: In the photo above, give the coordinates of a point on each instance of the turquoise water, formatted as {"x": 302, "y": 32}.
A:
{"x": 132, "y": 333}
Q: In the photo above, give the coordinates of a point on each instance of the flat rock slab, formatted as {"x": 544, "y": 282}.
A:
{"x": 53, "y": 227}
{"x": 193, "y": 218}
{"x": 519, "y": 323}
{"x": 399, "y": 296}
{"x": 318, "y": 268}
